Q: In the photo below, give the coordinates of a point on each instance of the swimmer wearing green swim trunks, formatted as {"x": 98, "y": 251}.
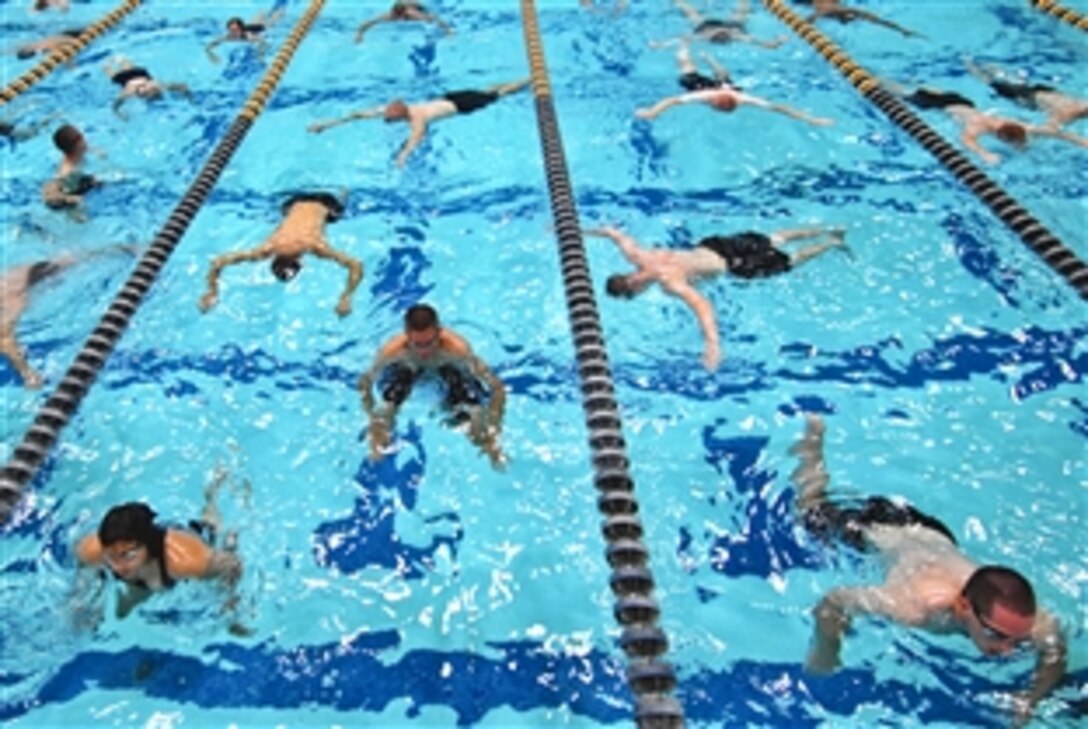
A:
{"x": 66, "y": 189}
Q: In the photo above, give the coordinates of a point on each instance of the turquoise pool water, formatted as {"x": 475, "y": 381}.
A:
{"x": 428, "y": 588}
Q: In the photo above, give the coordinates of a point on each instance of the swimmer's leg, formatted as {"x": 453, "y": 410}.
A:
{"x": 485, "y": 437}
{"x": 683, "y": 57}
{"x": 693, "y": 15}
{"x": 10, "y": 348}
{"x": 381, "y": 423}
{"x": 780, "y": 238}
{"x": 835, "y": 241}
{"x": 510, "y": 87}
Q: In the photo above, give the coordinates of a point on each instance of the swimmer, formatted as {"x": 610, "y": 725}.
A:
{"x": 418, "y": 116}
{"x": 745, "y": 255}
{"x": 731, "y": 30}
{"x": 66, "y": 189}
{"x": 402, "y": 11}
{"x": 63, "y": 41}
{"x": 427, "y": 349}
{"x": 1061, "y": 109}
{"x": 929, "y": 584}
{"x": 15, "y": 286}
{"x": 239, "y": 31}
{"x": 832, "y": 10}
{"x": 302, "y": 231}
{"x": 728, "y": 99}
{"x": 136, "y": 81}
{"x": 149, "y": 558}
{"x": 12, "y": 131}
{"x": 43, "y": 5}
{"x": 976, "y": 124}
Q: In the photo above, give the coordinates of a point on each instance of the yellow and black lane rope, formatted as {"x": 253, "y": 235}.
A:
{"x": 650, "y": 678}
{"x": 1074, "y": 18}
{"x": 62, "y": 404}
{"x": 63, "y": 55}
{"x": 1033, "y": 233}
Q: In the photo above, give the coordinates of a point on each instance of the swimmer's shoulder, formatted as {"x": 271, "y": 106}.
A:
{"x": 89, "y": 550}
{"x": 454, "y": 344}
{"x": 187, "y": 555}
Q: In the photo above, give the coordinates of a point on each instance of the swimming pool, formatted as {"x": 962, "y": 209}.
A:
{"x": 428, "y": 588}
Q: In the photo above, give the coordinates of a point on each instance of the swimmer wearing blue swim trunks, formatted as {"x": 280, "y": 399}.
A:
{"x": 426, "y": 350}
{"x": 419, "y": 116}
{"x": 929, "y": 584}
{"x": 745, "y": 255}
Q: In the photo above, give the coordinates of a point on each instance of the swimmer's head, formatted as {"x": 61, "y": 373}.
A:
{"x": 286, "y": 268}
{"x": 723, "y": 101}
{"x": 24, "y": 53}
{"x": 998, "y": 607}
{"x": 236, "y": 28}
{"x": 129, "y": 537}
{"x": 1013, "y": 133}
{"x": 422, "y": 329}
{"x": 624, "y": 286}
{"x": 395, "y": 110}
{"x": 70, "y": 141}
{"x": 149, "y": 90}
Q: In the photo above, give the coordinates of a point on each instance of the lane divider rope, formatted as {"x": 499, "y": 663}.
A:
{"x": 70, "y": 50}
{"x": 1077, "y": 20}
{"x": 63, "y": 403}
{"x": 1032, "y": 232}
{"x": 650, "y": 678}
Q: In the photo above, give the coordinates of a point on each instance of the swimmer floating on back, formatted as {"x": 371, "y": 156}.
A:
{"x": 301, "y": 232}
{"x": 419, "y": 116}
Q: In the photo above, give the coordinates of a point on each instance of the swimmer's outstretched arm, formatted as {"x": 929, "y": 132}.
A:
{"x": 367, "y": 25}
{"x": 210, "y": 48}
{"x": 212, "y": 295}
{"x": 419, "y": 130}
{"x": 969, "y": 137}
{"x": 704, "y": 313}
{"x": 783, "y": 109}
{"x": 630, "y": 249}
{"x": 320, "y": 126}
{"x": 431, "y": 18}
{"x": 877, "y": 20}
{"x": 10, "y": 349}
{"x": 667, "y": 103}
{"x": 1049, "y": 131}
{"x": 355, "y": 275}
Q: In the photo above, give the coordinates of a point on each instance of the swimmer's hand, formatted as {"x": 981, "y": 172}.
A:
{"x": 32, "y": 380}
{"x": 647, "y": 114}
{"x": 712, "y": 357}
{"x": 207, "y": 301}
{"x": 344, "y": 307}
{"x": 821, "y": 121}
{"x": 318, "y": 127}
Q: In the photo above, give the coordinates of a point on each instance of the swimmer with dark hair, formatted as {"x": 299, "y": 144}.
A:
{"x": 832, "y": 10}
{"x": 744, "y": 255}
{"x": 15, "y": 286}
{"x": 149, "y": 558}
{"x": 976, "y": 124}
{"x": 136, "y": 81}
{"x": 1061, "y": 109}
{"x": 929, "y": 584}
{"x": 419, "y": 116}
{"x": 301, "y": 232}
{"x": 426, "y": 349}
{"x": 727, "y": 99}
{"x": 403, "y": 11}
{"x": 239, "y": 31}
{"x": 730, "y": 30}
{"x": 43, "y": 5}
{"x": 60, "y": 42}
{"x": 66, "y": 189}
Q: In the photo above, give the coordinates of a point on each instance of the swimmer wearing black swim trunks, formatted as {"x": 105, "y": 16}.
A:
{"x": 136, "y": 81}
{"x": 150, "y": 558}
{"x": 302, "y": 232}
{"x": 1060, "y": 108}
{"x": 419, "y": 116}
{"x": 745, "y": 255}
{"x": 239, "y": 31}
{"x": 930, "y": 584}
{"x": 427, "y": 349}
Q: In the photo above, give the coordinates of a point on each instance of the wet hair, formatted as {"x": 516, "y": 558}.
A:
{"x": 24, "y": 53}
{"x": 395, "y": 110}
{"x": 286, "y": 268}
{"x": 67, "y": 139}
{"x": 131, "y": 522}
{"x": 619, "y": 286}
{"x": 991, "y": 585}
{"x": 420, "y": 317}
{"x": 1013, "y": 133}
{"x": 237, "y": 21}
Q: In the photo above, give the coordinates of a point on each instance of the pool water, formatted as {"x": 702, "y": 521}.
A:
{"x": 429, "y": 588}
